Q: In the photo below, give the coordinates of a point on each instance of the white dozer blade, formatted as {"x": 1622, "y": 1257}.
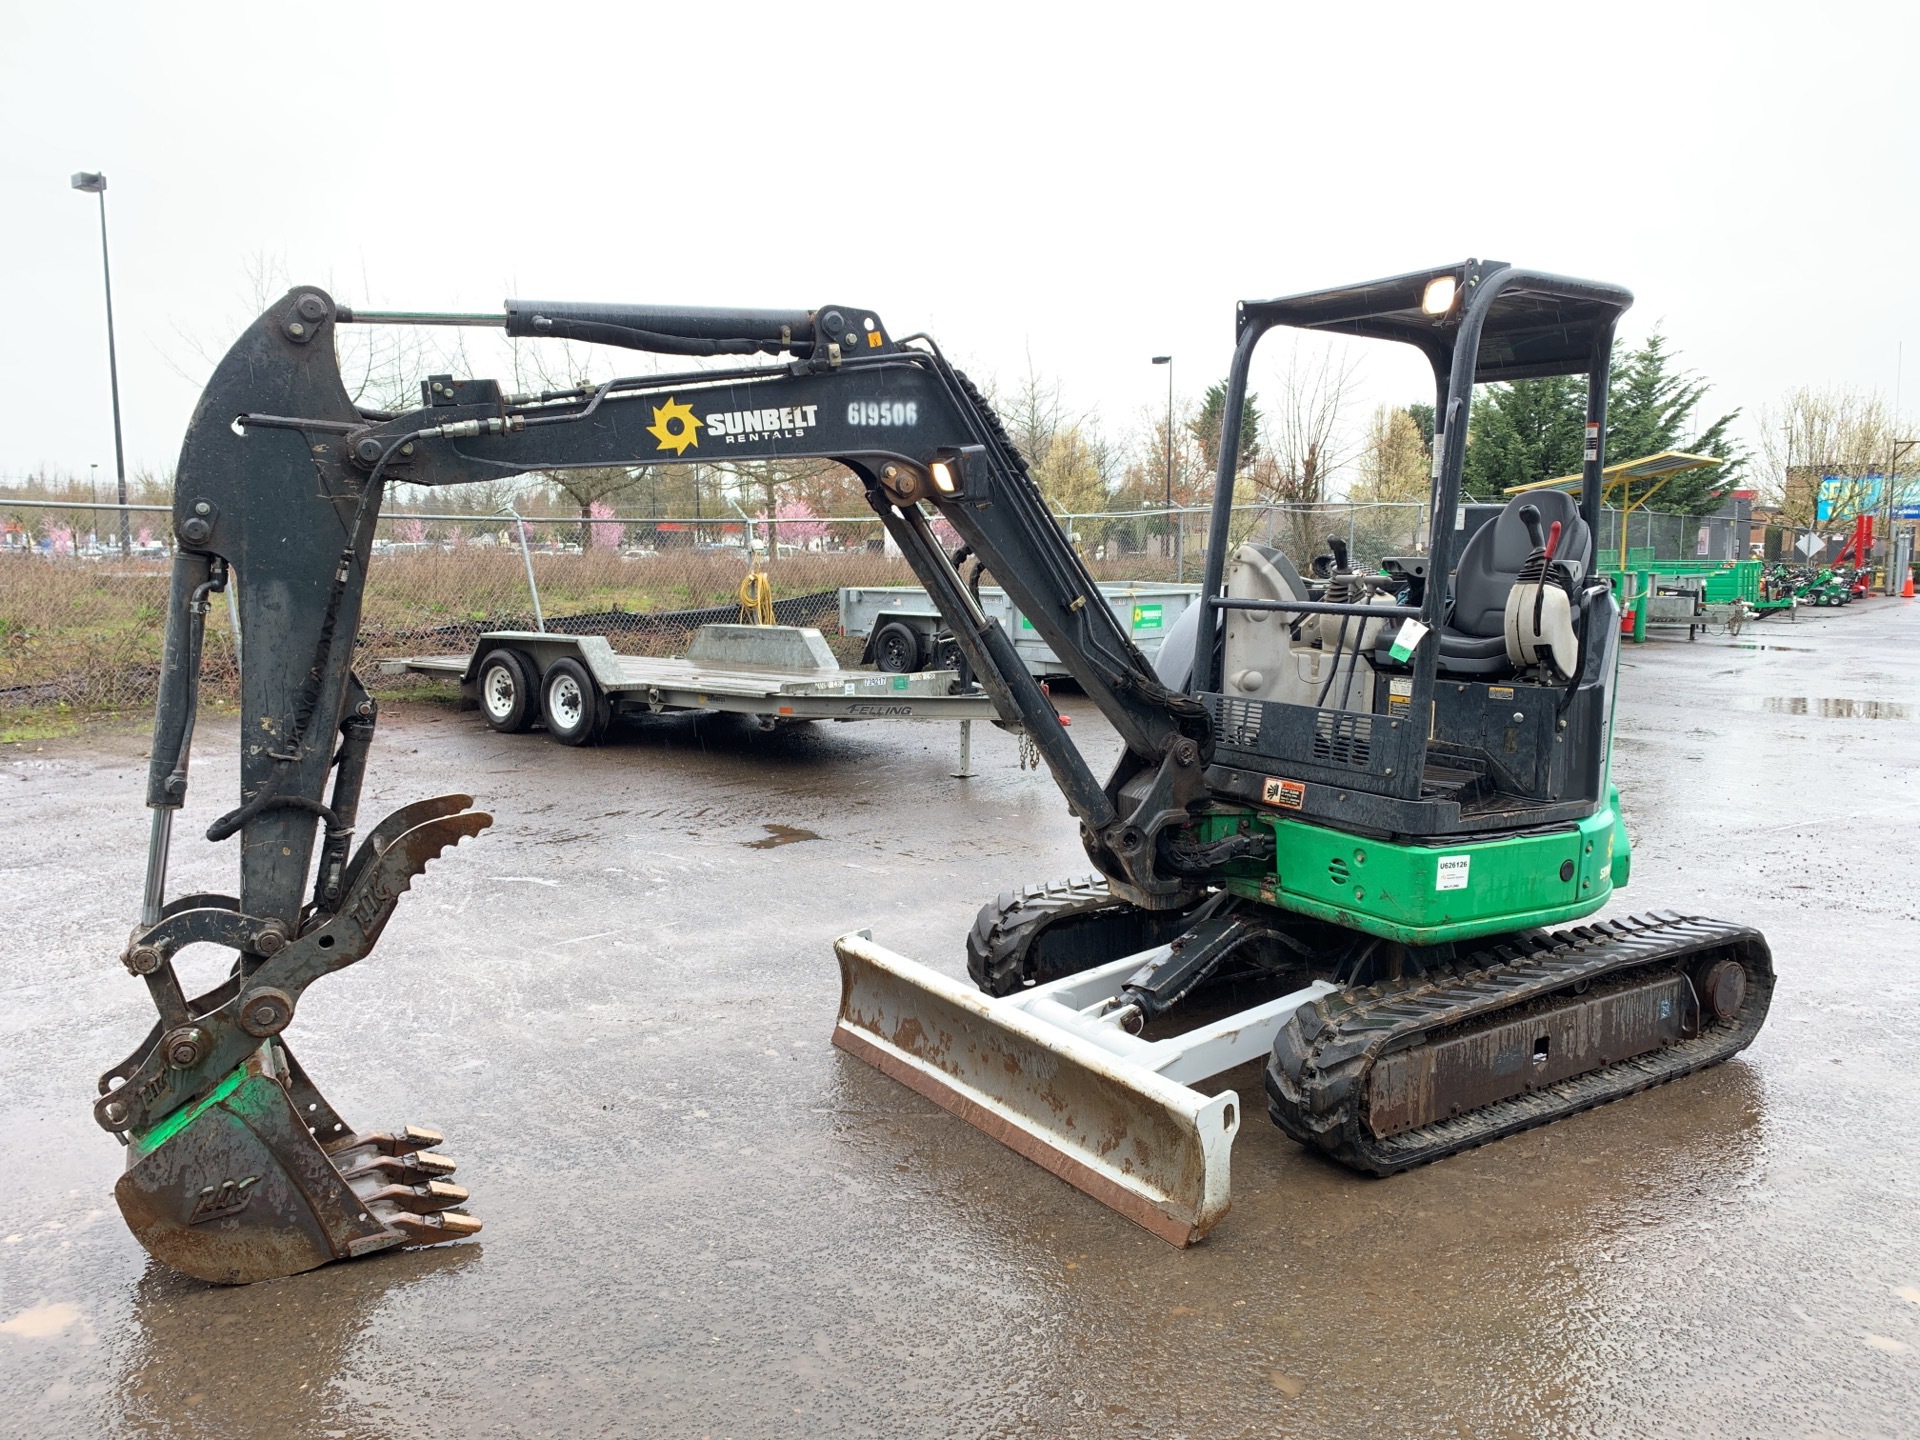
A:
{"x": 1043, "y": 1072}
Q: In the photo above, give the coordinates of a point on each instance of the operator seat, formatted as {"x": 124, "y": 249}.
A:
{"x": 1473, "y": 641}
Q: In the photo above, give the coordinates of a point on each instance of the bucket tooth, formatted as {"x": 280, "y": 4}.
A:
{"x": 416, "y": 1199}
{"x": 415, "y": 1169}
{"x": 405, "y": 1141}
{"x": 437, "y": 1228}
{"x": 410, "y": 1144}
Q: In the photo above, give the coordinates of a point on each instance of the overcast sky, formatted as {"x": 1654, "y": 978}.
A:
{"x": 1088, "y": 185}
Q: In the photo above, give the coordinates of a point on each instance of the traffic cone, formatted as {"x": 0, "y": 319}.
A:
{"x": 1906, "y": 590}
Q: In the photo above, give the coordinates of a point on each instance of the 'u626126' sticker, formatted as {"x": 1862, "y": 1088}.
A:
{"x": 1453, "y": 872}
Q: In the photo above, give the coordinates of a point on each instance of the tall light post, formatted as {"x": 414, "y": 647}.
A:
{"x": 1166, "y": 540}
{"x": 94, "y": 183}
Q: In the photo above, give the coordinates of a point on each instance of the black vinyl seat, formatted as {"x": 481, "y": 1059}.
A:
{"x": 1473, "y": 641}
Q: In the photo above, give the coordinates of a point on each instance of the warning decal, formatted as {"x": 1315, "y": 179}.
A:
{"x": 1287, "y": 794}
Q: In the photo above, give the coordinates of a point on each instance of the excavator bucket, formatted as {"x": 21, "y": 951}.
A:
{"x": 1042, "y": 1072}
{"x": 238, "y": 1187}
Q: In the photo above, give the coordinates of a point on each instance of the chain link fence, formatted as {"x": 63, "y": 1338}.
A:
{"x": 1673, "y": 537}
{"x": 81, "y": 621}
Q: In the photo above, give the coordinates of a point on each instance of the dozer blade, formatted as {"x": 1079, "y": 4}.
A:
{"x": 1039, "y": 1072}
{"x": 236, "y": 1188}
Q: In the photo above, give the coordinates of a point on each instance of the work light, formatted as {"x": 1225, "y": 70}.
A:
{"x": 1438, "y": 298}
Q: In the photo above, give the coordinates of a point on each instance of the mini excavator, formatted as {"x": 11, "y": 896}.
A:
{"x": 1369, "y": 793}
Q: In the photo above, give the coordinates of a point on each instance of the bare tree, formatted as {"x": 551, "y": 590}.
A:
{"x": 590, "y": 486}
{"x": 1392, "y": 484}
{"x": 1305, "y": 424}
{"x": 1306, "y": 443}
{"x": 1813, "y": 434}
{"x": 1074, "y": 465}
{"x": 1034, "y": 412}
{"x": 796, "y": 482}
{"x": 1157, "y": 471}
{"x": 1394, "y": 464}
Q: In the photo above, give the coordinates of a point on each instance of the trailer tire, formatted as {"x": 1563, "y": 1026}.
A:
{"x": 896, "y": 648}
{"x": 575, "y": 710}
{"x": 509, "y": 693}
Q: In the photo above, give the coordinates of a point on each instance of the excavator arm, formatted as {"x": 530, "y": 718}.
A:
{"x": 238, "y": 1168}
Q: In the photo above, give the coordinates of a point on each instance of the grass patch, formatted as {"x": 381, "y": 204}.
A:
{"x": 28, "y": 724}
{"x": 86, "y": 636}
{"x": 19, "y": 727}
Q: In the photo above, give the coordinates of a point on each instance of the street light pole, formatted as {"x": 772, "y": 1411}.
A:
{"x": 1167, "y": 360}
{"x": 94, "y": 183}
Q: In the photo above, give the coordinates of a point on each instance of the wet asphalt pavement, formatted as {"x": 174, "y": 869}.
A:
{"x": 703, "y": 1220}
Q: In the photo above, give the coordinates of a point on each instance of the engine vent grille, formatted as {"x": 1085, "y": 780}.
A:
{"x": 1237, "y": 723}
{"x": 1337, "y": 871}
{"x": 1341, "y": 737}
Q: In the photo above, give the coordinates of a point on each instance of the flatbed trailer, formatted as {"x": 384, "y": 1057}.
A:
{"x": 778, "y": 675}
{"x": 902, "y": 625}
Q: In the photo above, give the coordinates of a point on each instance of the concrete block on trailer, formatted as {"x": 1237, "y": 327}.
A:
{"x": 761, "y": 647}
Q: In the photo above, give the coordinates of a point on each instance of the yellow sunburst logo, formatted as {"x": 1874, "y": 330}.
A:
{"x": 675, "y": 426}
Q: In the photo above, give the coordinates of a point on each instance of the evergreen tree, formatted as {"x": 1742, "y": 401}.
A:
{"x": 1532, "y": 429}
{"x": 1526, "y": 430}
{"x": 1423, "y": 418}
{"x": 1207, "y": 425}
{"x": 1650, "y": 405}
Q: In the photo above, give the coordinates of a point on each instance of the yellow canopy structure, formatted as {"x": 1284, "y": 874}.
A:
{"x": 1617, "y": 482}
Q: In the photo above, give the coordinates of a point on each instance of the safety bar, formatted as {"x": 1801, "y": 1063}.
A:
{"x": 1323, "y": 607}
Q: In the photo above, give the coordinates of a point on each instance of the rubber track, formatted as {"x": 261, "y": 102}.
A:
{"x": 1322, "y": 1058}
{"x": 1081, "y": 922}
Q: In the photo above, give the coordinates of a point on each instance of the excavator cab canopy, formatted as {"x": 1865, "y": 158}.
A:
{"x": 1533, "y": 325}
{"x": 1444, "y": 719}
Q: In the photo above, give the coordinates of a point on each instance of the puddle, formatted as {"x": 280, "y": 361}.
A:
{"x": 1832, "y": 709}
{"x": 1748, "y": 645}
{"x": 42, "y": 1321}
{"x": 780, "y": 835}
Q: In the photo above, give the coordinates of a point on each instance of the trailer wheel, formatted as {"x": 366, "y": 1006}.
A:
{"x": 575, "y": 710}
{"x": 508, "y": 692}
{"x": 896, "y": 648}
